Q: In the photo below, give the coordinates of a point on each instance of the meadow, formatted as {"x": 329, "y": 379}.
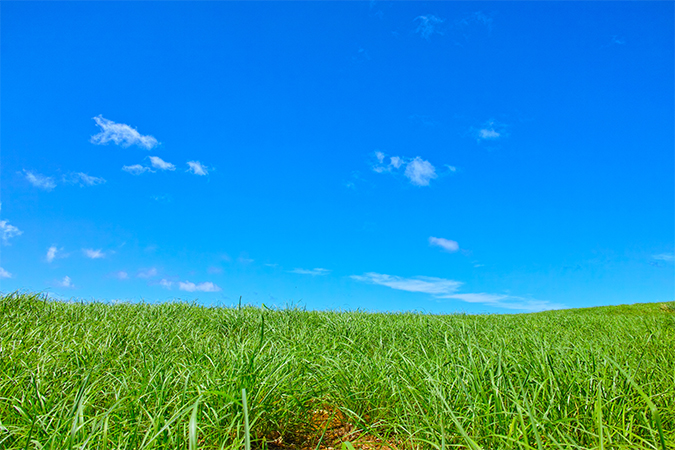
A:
{"x": 95, "y": 375}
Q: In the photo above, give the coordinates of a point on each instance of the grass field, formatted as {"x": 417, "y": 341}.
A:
{"x": 170, "y": 376}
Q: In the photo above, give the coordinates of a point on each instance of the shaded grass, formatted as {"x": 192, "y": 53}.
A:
{"x": 171, "y": 375}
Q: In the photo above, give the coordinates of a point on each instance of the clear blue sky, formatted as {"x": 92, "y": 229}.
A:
{"x": 438, "y": 157}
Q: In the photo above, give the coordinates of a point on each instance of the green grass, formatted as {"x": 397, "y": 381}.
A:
{"x": 170, "y": 376}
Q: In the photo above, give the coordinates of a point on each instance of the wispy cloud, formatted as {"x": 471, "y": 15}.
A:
{"x": 120, "y": 134}
{"x": 442, "y": 288}
{"x": 418, "y": 171}
{"x": 4, "y": 273}
{"x": 202, "y": 287}
{"x": 614, "y": 40}
{"x": 93, "y": 254}
{"x": 244, "y": 259}
{"x": 51, "y": 253}
{"x": 506, "y": 301}
{"x": 197, "y": 168}
{"x": 121, "y": 275}
{"x": 445, "y": 244}
{"x": 165, "y": 283}
{"x": 83, "y": 179}
{"x": 8, "y": 231}
{"x": 428, "y": 25}
{"x": 147, "y": 273}
{"x": 214, "y": 270}
{"x": 136, "y": 169}
{"x": 159, "y": 163}
{"x": 427, "y": 285}
{"x": 490, "y": 131}
{"x": 474, "y": 18}
{"x": 669, "y": 257}
{"x": 40, "y": 181}
{"x": 66, "y": 282}
{"x": 313, "y": 272}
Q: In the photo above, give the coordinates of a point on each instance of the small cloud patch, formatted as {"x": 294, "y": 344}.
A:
{"x": 120, "y": 134}
{"x": 40, "y": 181}
{"x": 445, "y": 244}
{"x": 312, "y": 272}
{"x": 201, "y": 287}
{"x": 197, "y": 168}
{"x": 136, "y": 169}
{"x": 159, "y": 163}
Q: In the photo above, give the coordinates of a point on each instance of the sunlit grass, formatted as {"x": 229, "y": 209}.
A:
{"x": 170, "y": 376}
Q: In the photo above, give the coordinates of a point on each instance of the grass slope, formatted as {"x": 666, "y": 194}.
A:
{"x": 170, "y": 376}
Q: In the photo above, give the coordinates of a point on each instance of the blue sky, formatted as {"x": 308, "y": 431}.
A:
{"x": 438, "y": 157}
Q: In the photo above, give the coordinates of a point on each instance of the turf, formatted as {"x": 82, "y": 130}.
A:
{"x": 170, "y": 376}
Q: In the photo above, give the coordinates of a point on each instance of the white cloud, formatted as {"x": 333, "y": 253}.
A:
{"x": 428, "y": 25}
{"x": 490, "y": 131}
{"x": 395, "y": 162}
{"x": 417, "y": 170}
{"x": 197, "y": 168}
{"x": 442, "y": 288}
{"x": 165, "y": 283}
{"x": 8, "y": 231}
{"x": 121, "y": 275}
{"x": 120, "y": 134}
{"x": 446, "y": 244}
{"x": 136, "y": 169}
{"x": 244, "y": 259}
{"x": 664, "y": 257}
{"x": 313, "y": 272}
{"x": 66, "y": 282}
{"x": 159, "y": 163}
{"x": 202, "y": 287}
{"x": 93, "y": 254}
{"x": 4, "y": 273}
{"x": 420, "y": 172}
{"x": 83, "y": 179}
{"x": 147, "y": 273}
{"x": 506, "y": 301}
{"x": 40, "y": 181}
{"x": 427, "y": 285}
{"x": 51, "y": 253}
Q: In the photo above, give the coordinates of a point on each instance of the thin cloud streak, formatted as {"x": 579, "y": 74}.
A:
{"x": 120, "y": 134}
{"x": 93, "y": 254}
{"x": 506, "y": 302}
{"x": 442, "y": 288}
{"x": 40, "y": 181}
{"x": 82, "y": 179}
{"x": 136, "y": 169}
{"x": 4, "y": 273}
{"x": 427, "y": 285}
{"x": 147, "y": 273}
{"x": 313, "y": 272}
{"x": 201, "y": 287}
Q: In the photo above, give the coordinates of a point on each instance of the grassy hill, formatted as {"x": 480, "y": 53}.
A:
{"x": 170, "y": 376}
